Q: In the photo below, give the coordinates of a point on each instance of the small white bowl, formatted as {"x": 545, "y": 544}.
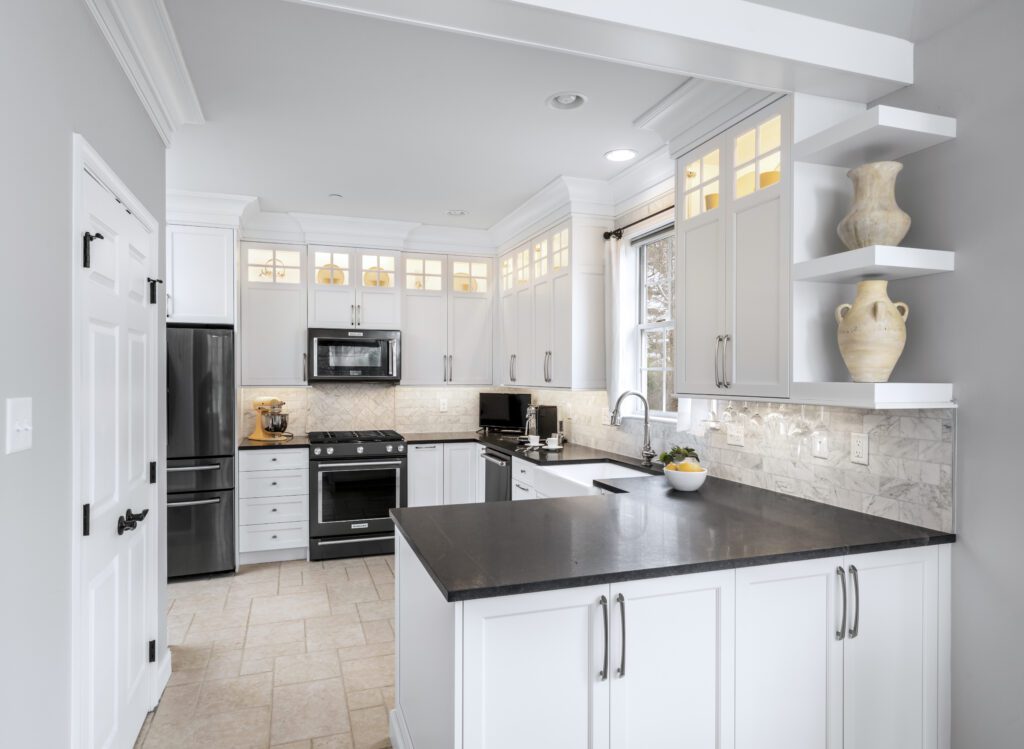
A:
{"x": 687, "y": 481}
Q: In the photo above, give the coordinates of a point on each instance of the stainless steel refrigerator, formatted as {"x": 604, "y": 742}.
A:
{"x": 200, "y": 450}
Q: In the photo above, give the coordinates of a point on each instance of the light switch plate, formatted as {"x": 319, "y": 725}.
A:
{"x": 819, "y": 445}
{"x": 443, "y": 405}
{"x": 19, "y": 425}
{"x": 734, "y": 434}
{"x": 859, "y": 449}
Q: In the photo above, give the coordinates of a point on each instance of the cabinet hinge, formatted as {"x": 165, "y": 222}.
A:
{"x": 152, "y": 651}
{"x": 85, "y": 519}
{"x": 87, "y": 247}
{"x": 152, "y": 471}
{"x": 152, "y": 288}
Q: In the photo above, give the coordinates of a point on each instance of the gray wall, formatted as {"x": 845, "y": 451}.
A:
{"x": 968, "y": 196}
{"x": 57, "y": 76}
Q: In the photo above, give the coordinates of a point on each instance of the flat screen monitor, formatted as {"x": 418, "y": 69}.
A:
{"x": 504, "y": 410}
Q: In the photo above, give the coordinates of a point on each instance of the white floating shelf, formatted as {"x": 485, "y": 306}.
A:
{"x": 878, "y": 395}
{"x": 878, "y": 261}
{"x": 881, "y": 133}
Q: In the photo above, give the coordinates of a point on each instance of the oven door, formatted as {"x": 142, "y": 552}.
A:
{"x": 355, "y": 355}
{"x": 355, "y": 497}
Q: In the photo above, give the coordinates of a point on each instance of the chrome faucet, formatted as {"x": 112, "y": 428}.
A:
{"x": 647, "y": 452}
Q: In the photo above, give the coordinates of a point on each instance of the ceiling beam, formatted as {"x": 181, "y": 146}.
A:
{"x": 732, "y": 41}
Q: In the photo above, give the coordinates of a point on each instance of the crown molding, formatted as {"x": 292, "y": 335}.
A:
{"x": 450, "y": 240}
{"x": 649, "y": 178}
{"x": 380, "y": 234}
{"x": 264, "y": 226}
{"x": 209, "y": 208}
{"x": 552, "y": 203}
{"x": 143, "y": 40}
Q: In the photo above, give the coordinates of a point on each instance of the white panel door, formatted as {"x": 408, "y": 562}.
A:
{"x": 460, "y": 472}
{"x": 532, "y": 671}
{"x": 426, "y": 475}
{"x": 117, "y": 413}
{"x": 332, "y": 286}
{"x": 424, "y": 334}
{"x": 200, "y": 275}
{"x": 560, "y": 361}
{"x": 890, "y": 674}
{"x": 273, "y": 334}
{"x": 672, "y": 662}
{"x": 469, "y": 339}
{"x": 543, "y": 298}
{"x": 700, "y": 313}
{"x": 523, "y": 368}
{"x": 789, "y": 660}
{"x": 379, "y": 309}
{"x": 509, "y": 338}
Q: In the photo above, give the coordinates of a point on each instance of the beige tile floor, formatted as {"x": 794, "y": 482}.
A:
{"x": 296, "y": 655}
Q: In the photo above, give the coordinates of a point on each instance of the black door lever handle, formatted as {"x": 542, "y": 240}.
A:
{"x": 125, "y": 525}
{"x": 133, "y": 517}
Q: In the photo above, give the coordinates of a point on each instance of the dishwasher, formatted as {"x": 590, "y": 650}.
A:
{"x": 497, "y": 477}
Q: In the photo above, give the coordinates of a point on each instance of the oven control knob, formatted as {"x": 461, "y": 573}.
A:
{"x": 390, "y": 448}
{"x": 359, "y": 449}
{"x": 316, "y": 450}
{"x": 330, "y": 451}
{"x": 401, "y": 448}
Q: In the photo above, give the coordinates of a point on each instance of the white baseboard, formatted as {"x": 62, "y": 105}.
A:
{"x": 396, "y": 731}
{"x": 275, "y": 555}
{"x": 163, "y": 675}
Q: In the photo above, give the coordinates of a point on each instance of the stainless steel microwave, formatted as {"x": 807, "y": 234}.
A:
{"x": 354, "y": 355}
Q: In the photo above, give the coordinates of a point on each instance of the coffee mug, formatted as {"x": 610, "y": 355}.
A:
{"x": 533, "y": 439}
{"x": 552, "y": 442}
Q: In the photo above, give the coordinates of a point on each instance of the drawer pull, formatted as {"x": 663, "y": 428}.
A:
{"x": 273, "y": 509}
{"x": 274, "y": 536}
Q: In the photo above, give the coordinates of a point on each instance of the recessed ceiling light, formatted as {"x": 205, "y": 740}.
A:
{"x": 335, "y": 195}
{"x": 621, "y": 154}
{"x": 457, "y": 212}
{"x": 567, "y": 100}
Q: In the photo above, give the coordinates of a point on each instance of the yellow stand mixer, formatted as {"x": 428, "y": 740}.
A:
{"x": 271, "y": 421}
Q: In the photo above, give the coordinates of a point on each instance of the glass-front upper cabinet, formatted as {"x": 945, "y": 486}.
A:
{"x": 378, "y": 271}
{"x": 273, "y": 265}
{"x": 332, "y": 267}
{"x": 508, "y": 273}
{"x": 470, "y": 277}
{"x": 522, "y": 268}
{"x": 700, "y": 184}
{"x": 757, "y": 157}
{"x": 424, "y": 274}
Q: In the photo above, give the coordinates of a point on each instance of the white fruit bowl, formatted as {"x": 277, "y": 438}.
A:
{"x": 687, "y": 481}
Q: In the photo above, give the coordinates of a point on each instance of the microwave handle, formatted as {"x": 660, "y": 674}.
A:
{"x": 391, "y": 357}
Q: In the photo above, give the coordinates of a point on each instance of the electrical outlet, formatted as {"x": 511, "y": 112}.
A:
{"x": 859, "y": 449}
{"x": 443, "y": 405}
{"x": 734, "y": 435}
{"x": 819, "y": 445}
{"x": 19, "y": 424}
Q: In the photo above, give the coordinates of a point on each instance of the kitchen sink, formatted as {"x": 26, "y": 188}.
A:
{"x": 574, "y": 480}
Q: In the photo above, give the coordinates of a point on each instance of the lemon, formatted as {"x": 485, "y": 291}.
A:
{"x": 690, "y": 467}
{"x": 671, "y": 467}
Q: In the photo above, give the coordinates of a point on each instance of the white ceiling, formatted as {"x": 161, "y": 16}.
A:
{"x": 914, "y": 20}
{"x": 405, "y": 122}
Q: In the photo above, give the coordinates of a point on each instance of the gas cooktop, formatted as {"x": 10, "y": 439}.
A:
{"x": 367, "y": 443}
{"x": 369, "y": 435}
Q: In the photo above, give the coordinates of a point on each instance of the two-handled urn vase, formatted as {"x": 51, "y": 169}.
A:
{"x": 872, "y": 332}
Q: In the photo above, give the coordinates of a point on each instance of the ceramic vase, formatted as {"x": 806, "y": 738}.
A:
{"x": 874, "y": 218}
{"x": 872, "y": 332}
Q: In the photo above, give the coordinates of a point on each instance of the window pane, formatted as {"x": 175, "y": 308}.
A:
{"x": 710, "y": 193}
{"x": 291, "y": 258}
{"x": 481, "y": 285}
{"x": 433, "y": 267}
{"x": 692, "y": 175}
{"x": 693, "y": 204}
{"x": 711, "y": 166}
{"x": 331, "y": 274}
{"x": 289, "y": 275}
{"x": 259, "y": 274}
{"x": 670, "y": 348}
{"x": 480, "y": 270}
{"x": 259, "y": 257}
{"x": 413, "y": 265}
{"x": 654, "y": 348}
{"x": 433, "y": 283}
{"x": 322, "y": 259}
{"x": 463, "y": 282}
{"x": 659, "y": 262}
{"x": 770, "y": 134}
{"x": 745, "y": 147}
{"x": 745, "y": 181}
{"x": 656, "y": 389}
{"x": 413, "y": 282}
{"x": 770, "y": 169}
{"x": 460, "y": 268}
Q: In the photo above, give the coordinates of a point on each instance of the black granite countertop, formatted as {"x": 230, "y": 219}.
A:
{"x": 504, "y": 548}
{"x": 299, "y": 440}
{"x": 441, "y": 437}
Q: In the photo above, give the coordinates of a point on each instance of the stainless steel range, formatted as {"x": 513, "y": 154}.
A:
{"x": 355, "y": 478}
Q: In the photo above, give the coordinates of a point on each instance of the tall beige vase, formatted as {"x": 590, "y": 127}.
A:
{"x": 874, "y": 218}
{"x": 872, "y": 332}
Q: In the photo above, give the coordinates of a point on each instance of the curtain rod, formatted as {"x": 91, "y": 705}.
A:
{"x": 617, "y": 233}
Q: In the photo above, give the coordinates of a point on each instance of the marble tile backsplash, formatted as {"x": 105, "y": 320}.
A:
{"x": 909, "y": 476}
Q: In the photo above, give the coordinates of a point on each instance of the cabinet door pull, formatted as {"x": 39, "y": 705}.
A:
{"x": 622, "y": 610}
{"x": 359, "y": 315}
{"x": 514, "y": 367}
{"x": 305, "y": 370}
{"x": 855, "y": 629}
{"x": 444, "y": 367}
{"x": 352, "y": 315}
{"x": 726, "y": 382}
{"x": 718, "y": 348}
{"x": 451, "y": 369}
{"x": 511, "y": 377}
{"x": 603, "y": 674}
{"x": 841, "y": 632}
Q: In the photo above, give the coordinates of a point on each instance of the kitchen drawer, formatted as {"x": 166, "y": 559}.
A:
{"x": 521, "y": 490}
{"x": 272, "y": 536}
{"x": 522, "y": 471}
{"x": 273, "y": 459}
{"x": 273, "y": 483}
{"x": 259, "y": 510}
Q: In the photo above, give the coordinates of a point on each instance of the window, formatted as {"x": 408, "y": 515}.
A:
{"x": 655, "y": 328}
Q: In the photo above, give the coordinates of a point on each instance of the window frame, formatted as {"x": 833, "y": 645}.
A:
{"x": 641, "y": 327}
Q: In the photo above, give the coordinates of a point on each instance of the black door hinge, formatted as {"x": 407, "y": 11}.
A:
{"x": 152, "y": 651}
{"x": 152, "y": 471}
{"x": 152, "y": 289}
{"x": 85, "y": 519}
{"x": 87, "y": 248}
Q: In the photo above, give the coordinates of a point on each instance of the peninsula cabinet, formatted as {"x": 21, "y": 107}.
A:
{"x": 350, "y": 288}
{"x": 842, "y": 652}
{"x": 733, "y": 261}
{"x": 447, "y": 316}
{"x": 200, "y": 275}
{"x": 552, "y": 308}
{"x": 443, "y": 473}
{"x": 273, "y": 325}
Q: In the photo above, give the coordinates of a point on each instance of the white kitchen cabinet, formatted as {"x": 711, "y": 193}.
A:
{"x": 481, "y": 474}
{"x": 810, "y": 675}
{"x": 273, "y": 504}
{"x": 460, "y": 472}
{"x": 531, "y": 671}
{"x": 200, "y": 275}
{"x": 552, "y": 308}
{"x": 273, "y": 325}
{"x": 672, "y": 651}
{"x": 522, "y": 491}
{"x": 447, "y": 320}
{"x": 426, "y": 475}
{"x": 733, "y": 255}
{"x": 352, "y": 288}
